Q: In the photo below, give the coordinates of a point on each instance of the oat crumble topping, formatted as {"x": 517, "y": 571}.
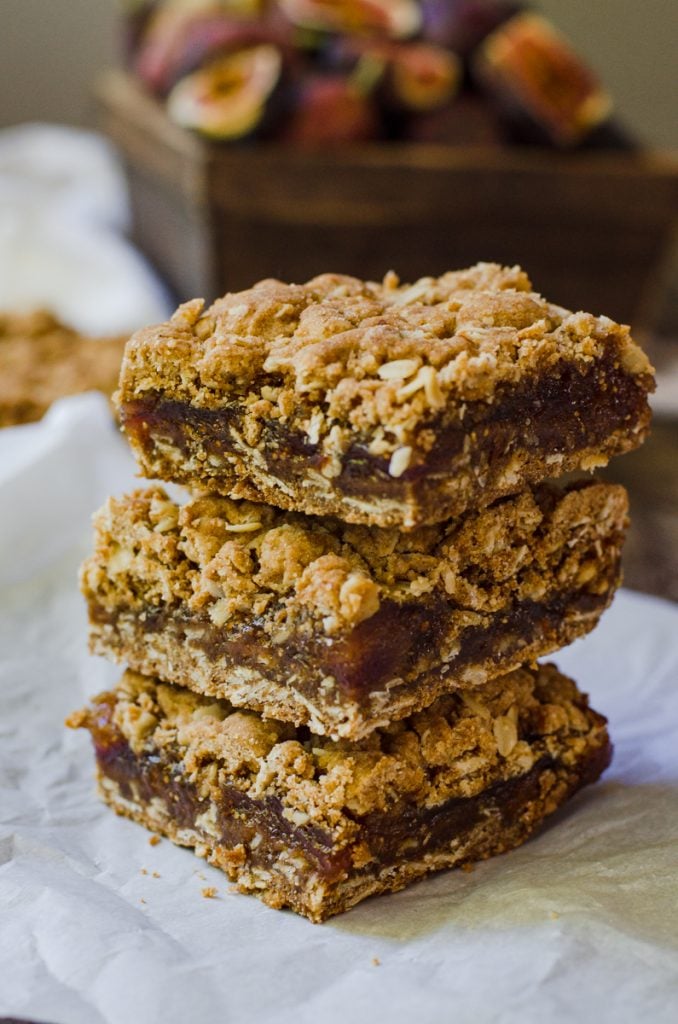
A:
{"x": 456, "y": 748}
{"x": 236, "y": 559}
{"x": 338, "y": 357}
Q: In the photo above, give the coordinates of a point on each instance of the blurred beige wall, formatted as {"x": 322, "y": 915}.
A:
{"x": 50, "y": 50}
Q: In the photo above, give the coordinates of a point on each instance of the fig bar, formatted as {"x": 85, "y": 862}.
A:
{"x": 385, "y": 404}
{"x": 42, "y": 360}
{"x": 304, "y": 822}
{"x": 346, "y": 627}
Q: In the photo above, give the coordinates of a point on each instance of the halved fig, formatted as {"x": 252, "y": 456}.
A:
{"x": 421, "y": 76}
{"x": 530, "y": 70}
{"x": 395, "y": 19}
{"x": 330, "y": 109}
{"x": 227, "y": 98}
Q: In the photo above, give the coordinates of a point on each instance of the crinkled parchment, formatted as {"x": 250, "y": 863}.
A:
{"x": 97, "y": 925}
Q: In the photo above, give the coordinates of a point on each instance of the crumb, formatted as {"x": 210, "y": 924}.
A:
{"x": 144, "y": 871}
{"x": 554, "y": 916}
{"x": 376, "y": 962}
{"x": 209, "y": 892}
{"x": 142, "y": 900}
{"x": 468, "y": 868}
{"x": 156, "y": 874}
{"x": 154, "y": 840}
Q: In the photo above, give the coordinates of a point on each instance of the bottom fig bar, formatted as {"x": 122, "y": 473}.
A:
{"x": 317, "y": 825}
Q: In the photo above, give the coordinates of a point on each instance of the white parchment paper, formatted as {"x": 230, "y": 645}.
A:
{"x": 96, "y": 925}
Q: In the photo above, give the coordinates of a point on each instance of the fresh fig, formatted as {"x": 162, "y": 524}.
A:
{"x": 395, "y": 19}
{"x": 331, "y": 109}
{"x": 227, "y": 98}
{"x": 421, "y": 77}
{"x": 535, "y": 78}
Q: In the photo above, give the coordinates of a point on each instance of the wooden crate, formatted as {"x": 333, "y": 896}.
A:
{"x": 591, "y": 229}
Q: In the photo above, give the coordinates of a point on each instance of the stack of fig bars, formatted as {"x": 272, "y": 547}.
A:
{"x": 332, "y": 642}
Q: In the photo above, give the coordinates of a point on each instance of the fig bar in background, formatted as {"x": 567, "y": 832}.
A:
{"x": 385, "y": 404}
{"x": 42, "y": 360}
{"x": 303, "y": 822}
{"x": 346, "y": 627}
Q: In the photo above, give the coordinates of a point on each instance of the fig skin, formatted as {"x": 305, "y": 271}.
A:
{"x": 419, "y": 77}
{"x": 330, "y": 110}
{"x": 461, "y": 25}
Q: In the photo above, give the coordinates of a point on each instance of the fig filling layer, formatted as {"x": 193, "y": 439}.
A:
{"x": 408, "y": 832}
{"x": 398, "y": 642}
{"x": 563, "y": 419}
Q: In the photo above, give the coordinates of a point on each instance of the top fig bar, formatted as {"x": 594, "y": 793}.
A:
{"x": 385, "y": 404}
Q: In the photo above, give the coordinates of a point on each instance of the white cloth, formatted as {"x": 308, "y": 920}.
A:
{"x": 579, "y": 924}
{"x": 63, "y": 214}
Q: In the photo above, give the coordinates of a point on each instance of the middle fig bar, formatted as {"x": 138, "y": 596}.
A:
{"x": 346, "y": 627}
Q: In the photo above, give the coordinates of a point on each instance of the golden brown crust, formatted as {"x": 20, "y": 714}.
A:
{"x": 41, "y": 360}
